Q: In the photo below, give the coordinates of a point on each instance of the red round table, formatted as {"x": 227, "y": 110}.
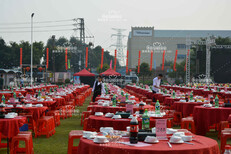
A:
{"x": 59, "y": 100}
{"x": 36, "y": 112}
{"x": 106, "y": 109}
{"x": 118, "y": 124}
{"x": 10, "y": 127}
{"x": 44, "y": 103}
{"x": 186, "y": 108}
{"x": 205, "y": 117}
{"x": 170, "y": 101}
{"x": 202, "y": 145}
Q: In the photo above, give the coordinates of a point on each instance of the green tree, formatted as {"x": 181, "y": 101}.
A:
{"x": 144, "y": 70}
{"x": 105, "y": 67}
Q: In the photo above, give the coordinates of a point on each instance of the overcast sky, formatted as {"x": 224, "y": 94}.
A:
{"x": 102, "y": 15}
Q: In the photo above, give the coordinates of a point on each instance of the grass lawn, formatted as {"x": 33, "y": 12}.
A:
{"x": 58, "y": 143}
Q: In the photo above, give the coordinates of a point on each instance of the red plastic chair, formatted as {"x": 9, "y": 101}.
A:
{"x": 85, "y": 124}
{"x": 22, "y": 136}
{"x": 2, "y": 145}
{"x": 177, "y": 116}
{"x": 55, "y": 114}
{"x": 85, "y": 114}
{"x": 46, "y": 126}
{"x": 225, "y": 134}
{"x": 74, "y": 134}
{"x": 185, "y": 122}
{"x": 222, "y": 126}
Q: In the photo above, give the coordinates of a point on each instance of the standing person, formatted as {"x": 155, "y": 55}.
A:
{"x": 98, "y": 88}
{"x": 156, "y": 84}
{"x": 1, "y": 82}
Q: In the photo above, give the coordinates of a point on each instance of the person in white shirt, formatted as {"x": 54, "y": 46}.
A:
{"x": 98, "y": 88}
{"x": 156, "y": 84}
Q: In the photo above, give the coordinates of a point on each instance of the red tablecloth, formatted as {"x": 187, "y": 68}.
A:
{"x": 10, "y": 127}
{"x": 186, "y": 108}
{"x": 118, "y": 124}
{"x": 106, "y": 109}
{"x": 37, "y": 112}
{"x": 59, "y": 101}
{"x": 7, "y": 94}
{"x": 170, "y": 101}
{"x": 44, "y": 103}
{"x": 205, "y": 117}
{"x": 102, "y": 98}
{"x": 202, "y": 145}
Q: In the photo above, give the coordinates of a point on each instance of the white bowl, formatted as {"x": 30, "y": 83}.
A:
{"x": 98, "y": 113}
{"x": 186, "y": 138}
{"x": 151, "y": 139}
{"x": 116, "y": 117}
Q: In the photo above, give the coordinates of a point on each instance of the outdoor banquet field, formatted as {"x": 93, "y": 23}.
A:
{"x": 58, "y": 143}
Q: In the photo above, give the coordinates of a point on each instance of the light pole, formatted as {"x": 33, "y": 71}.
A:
{"x": 31, "y": 70}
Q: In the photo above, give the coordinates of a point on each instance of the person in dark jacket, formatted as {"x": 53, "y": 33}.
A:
{"x": 1, "y": 82}
{"x": 98, "y": 88}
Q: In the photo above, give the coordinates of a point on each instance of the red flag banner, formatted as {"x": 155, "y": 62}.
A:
{"x": 86, "y": 60}
{"x": 66, "y": 59}
{"x": 127, "y": 62}
{"x": 186, "y": 61}
{"x": 163, "y": 60}
{"x": 102, "y": 58}
{"x": 47, "y": 57}
{"x": 151, "y": 60}
{"x": 111, "y": 64}
{"x": 115, "y": 61}
{"x": 21, "y": 57}
{"x": 174, "y": 65}
{"x": 138, "y": 70}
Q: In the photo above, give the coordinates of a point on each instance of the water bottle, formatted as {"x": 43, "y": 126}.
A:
{"x": 141, "y": 108}
{"x": 14, "y": 95}
{"x": 157, "y": 107}
{"x": 114, "y": 101}
{"x": 134, "y": 129}
{"x": 145, "y": 120}
{"x": 191, "y": 95}
{"x": 39, "y": 94}
{"x": 216, "y": 102}
{"x": 173, "y": 94}
{"x": 126, "y": 95}
{"x": 3, "y": 99}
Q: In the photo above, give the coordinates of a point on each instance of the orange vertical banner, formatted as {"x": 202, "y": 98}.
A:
{"x": 138, "y": 70}
{"x": 47, "y": 57}
{"x": 86, "y": 60}
{"x": 163, "y": 60}
{"x": 115, "y": 61}
{"x": 151, "y": 60}
{"x": 186, "y": 61}
{"x": 102, "y": 58}
{"x": 66, "y": 59}
{"x": 174, "y": 66}
{"x": 21, "y": 57}
{"x": 127, "y": 62}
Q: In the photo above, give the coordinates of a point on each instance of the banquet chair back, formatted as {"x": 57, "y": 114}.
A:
{"x": 74, "y": 134}
{"x": 2, "y": 145}
{"x": 22, "y": 136}
{"x": 185, "y": 122}
{"x": 85, "y": 114}
{"x": 225, "y": 134}
{"x": 85, "y": 124}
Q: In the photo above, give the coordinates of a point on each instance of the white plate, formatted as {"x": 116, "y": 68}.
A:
{"x": 179, "y": 142}
{"x": 152, "y": 142}
{"x": 95, "y": 141}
